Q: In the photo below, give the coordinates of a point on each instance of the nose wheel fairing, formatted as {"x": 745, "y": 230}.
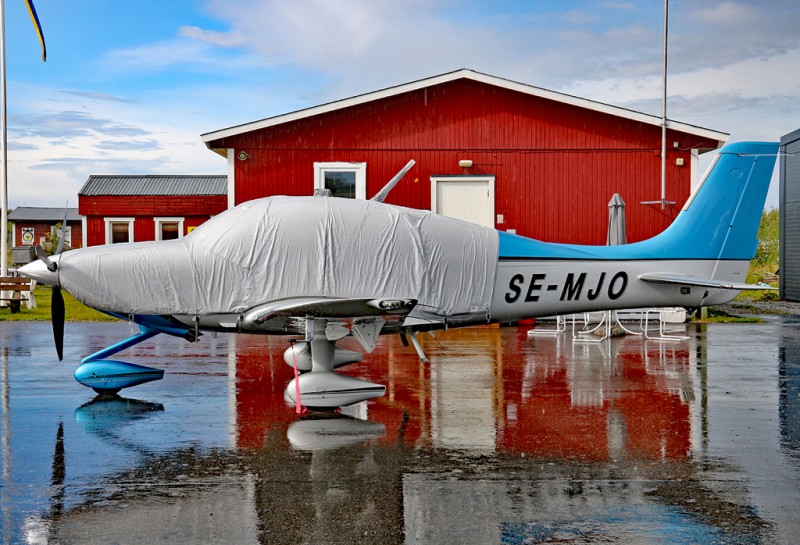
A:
{"x": 107, "y": 376}
{"x": 110, "y": 376}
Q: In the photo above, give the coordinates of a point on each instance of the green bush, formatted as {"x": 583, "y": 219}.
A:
{"x": 767, "y": 253}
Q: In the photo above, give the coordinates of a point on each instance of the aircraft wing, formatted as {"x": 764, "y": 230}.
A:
{"x": 685, "y": 280}
{"x": 334, "y": 317}
{"x": 330, "y": 307}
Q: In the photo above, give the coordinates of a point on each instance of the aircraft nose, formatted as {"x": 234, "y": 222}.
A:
{"x": 39, "y": 272}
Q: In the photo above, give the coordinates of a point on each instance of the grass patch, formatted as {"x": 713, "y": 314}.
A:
{"x": 730, "y": 320}
{"x": 75, "y": 310}
{"x": 745, "y": 307}
{"x": 715, "y": 315}
{"x": 758, "y": 295}
{"x": 760, "y": 273}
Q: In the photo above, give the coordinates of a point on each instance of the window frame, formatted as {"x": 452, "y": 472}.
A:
{"x": 360, "y": 170}
{"x": 159, "y": 221}
{"x": 108, "y": 228}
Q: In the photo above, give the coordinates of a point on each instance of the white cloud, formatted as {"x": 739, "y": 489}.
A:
{"x": 714, "y": 92}
{"x": 212, "y": 37}
{"x": 61, "y": 138}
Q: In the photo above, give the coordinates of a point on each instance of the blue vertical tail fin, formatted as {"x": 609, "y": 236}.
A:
{"x": 721, "y": 218}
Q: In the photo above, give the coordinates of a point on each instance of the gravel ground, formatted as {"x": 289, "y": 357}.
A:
{"x": 749, "y": 307}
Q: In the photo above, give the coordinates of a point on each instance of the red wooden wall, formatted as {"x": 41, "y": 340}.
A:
{"x": 144, "y": 208}
{"x": 556, "y": 166}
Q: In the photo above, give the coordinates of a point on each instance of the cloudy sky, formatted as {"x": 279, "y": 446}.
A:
{"x": 129, "y": 87}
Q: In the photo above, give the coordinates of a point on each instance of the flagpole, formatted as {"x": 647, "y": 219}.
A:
{"x": 4, "y": 145}
{"x": 664, "y": 113}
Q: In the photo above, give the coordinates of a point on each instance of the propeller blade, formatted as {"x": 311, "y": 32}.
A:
{"x": 63, "y": 232}
{"x": 41, "y": 254}
{"x": 57, "y": 316}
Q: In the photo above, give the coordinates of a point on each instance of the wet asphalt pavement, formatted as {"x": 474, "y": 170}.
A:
{"x": 502, "y": 438}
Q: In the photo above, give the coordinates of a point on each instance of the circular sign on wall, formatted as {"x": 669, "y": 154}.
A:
{"x": 27, "y": 236}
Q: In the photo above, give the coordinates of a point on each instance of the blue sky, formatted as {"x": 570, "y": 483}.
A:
{"x": 129, "y": 87}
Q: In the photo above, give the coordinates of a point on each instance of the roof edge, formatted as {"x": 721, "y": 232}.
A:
{"x": 463, "y": 73}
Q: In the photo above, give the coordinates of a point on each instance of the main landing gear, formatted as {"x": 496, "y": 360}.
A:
{"x": 316, "y": 385}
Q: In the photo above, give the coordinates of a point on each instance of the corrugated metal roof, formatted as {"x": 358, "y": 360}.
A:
{"x": 155, "y": 185}
{"x": 32, "y": 213}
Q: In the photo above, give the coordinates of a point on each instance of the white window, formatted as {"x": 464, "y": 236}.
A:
{"x": 348, "y": 180}
{"x": 119, "y": 230}
{"x": 168, "y": 228}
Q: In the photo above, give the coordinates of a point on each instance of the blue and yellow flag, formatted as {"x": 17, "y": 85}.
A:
{"x": 38, "y": 26}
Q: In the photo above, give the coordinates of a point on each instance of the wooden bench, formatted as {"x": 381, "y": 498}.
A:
{"x": 15, "y": 289}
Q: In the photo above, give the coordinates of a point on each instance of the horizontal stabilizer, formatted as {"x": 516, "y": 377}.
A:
{"x": 684, "y": 280}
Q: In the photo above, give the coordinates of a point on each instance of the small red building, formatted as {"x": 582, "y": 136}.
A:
{"x": 490, "y": 150}
{"x": 139, "y": 208}
{"x": 32, "y": 225}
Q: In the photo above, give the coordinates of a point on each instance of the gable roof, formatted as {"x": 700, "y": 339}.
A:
{"x": 42, "y": 214}
{"x": 210, "y": 137}
{"x": 139, "y": 185}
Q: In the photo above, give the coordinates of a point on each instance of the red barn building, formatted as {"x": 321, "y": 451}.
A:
{"x": 32, "y": 225}
{"x": 139, "y": 208}
{"x": 497, "y": 152}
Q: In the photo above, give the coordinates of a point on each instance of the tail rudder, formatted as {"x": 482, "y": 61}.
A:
{"x": 721, "y": 218}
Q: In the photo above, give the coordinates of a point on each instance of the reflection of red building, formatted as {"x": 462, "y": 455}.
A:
{"x": 542, "y": 397}
{"x": 593, "y": 407}
{"x": 656, "y": 417}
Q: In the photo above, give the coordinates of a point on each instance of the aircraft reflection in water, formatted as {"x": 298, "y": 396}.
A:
{"x": 589, "y": 443}
{"x": 547, "y": 397}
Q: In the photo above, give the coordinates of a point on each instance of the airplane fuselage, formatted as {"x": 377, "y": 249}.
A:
{"x": 325, "y": 268}
{"x": 537, "y": 288}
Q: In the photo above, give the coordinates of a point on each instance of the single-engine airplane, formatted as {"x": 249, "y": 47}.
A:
{"x": 324, "y": 268}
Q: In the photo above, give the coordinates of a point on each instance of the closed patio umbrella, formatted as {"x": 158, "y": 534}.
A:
{"x": 616, "y": 221}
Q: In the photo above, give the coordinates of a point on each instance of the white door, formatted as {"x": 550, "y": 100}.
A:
{"x": 468, "y": 198}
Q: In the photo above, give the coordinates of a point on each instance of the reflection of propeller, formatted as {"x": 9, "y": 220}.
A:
{"x": 40, "y": 528}
{"x": 57, "y": 301}
{"x": 59, "y": 472}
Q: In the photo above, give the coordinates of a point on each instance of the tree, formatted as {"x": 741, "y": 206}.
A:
{"x": 51, "y": 239}
{"x": 768, "y": 239}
